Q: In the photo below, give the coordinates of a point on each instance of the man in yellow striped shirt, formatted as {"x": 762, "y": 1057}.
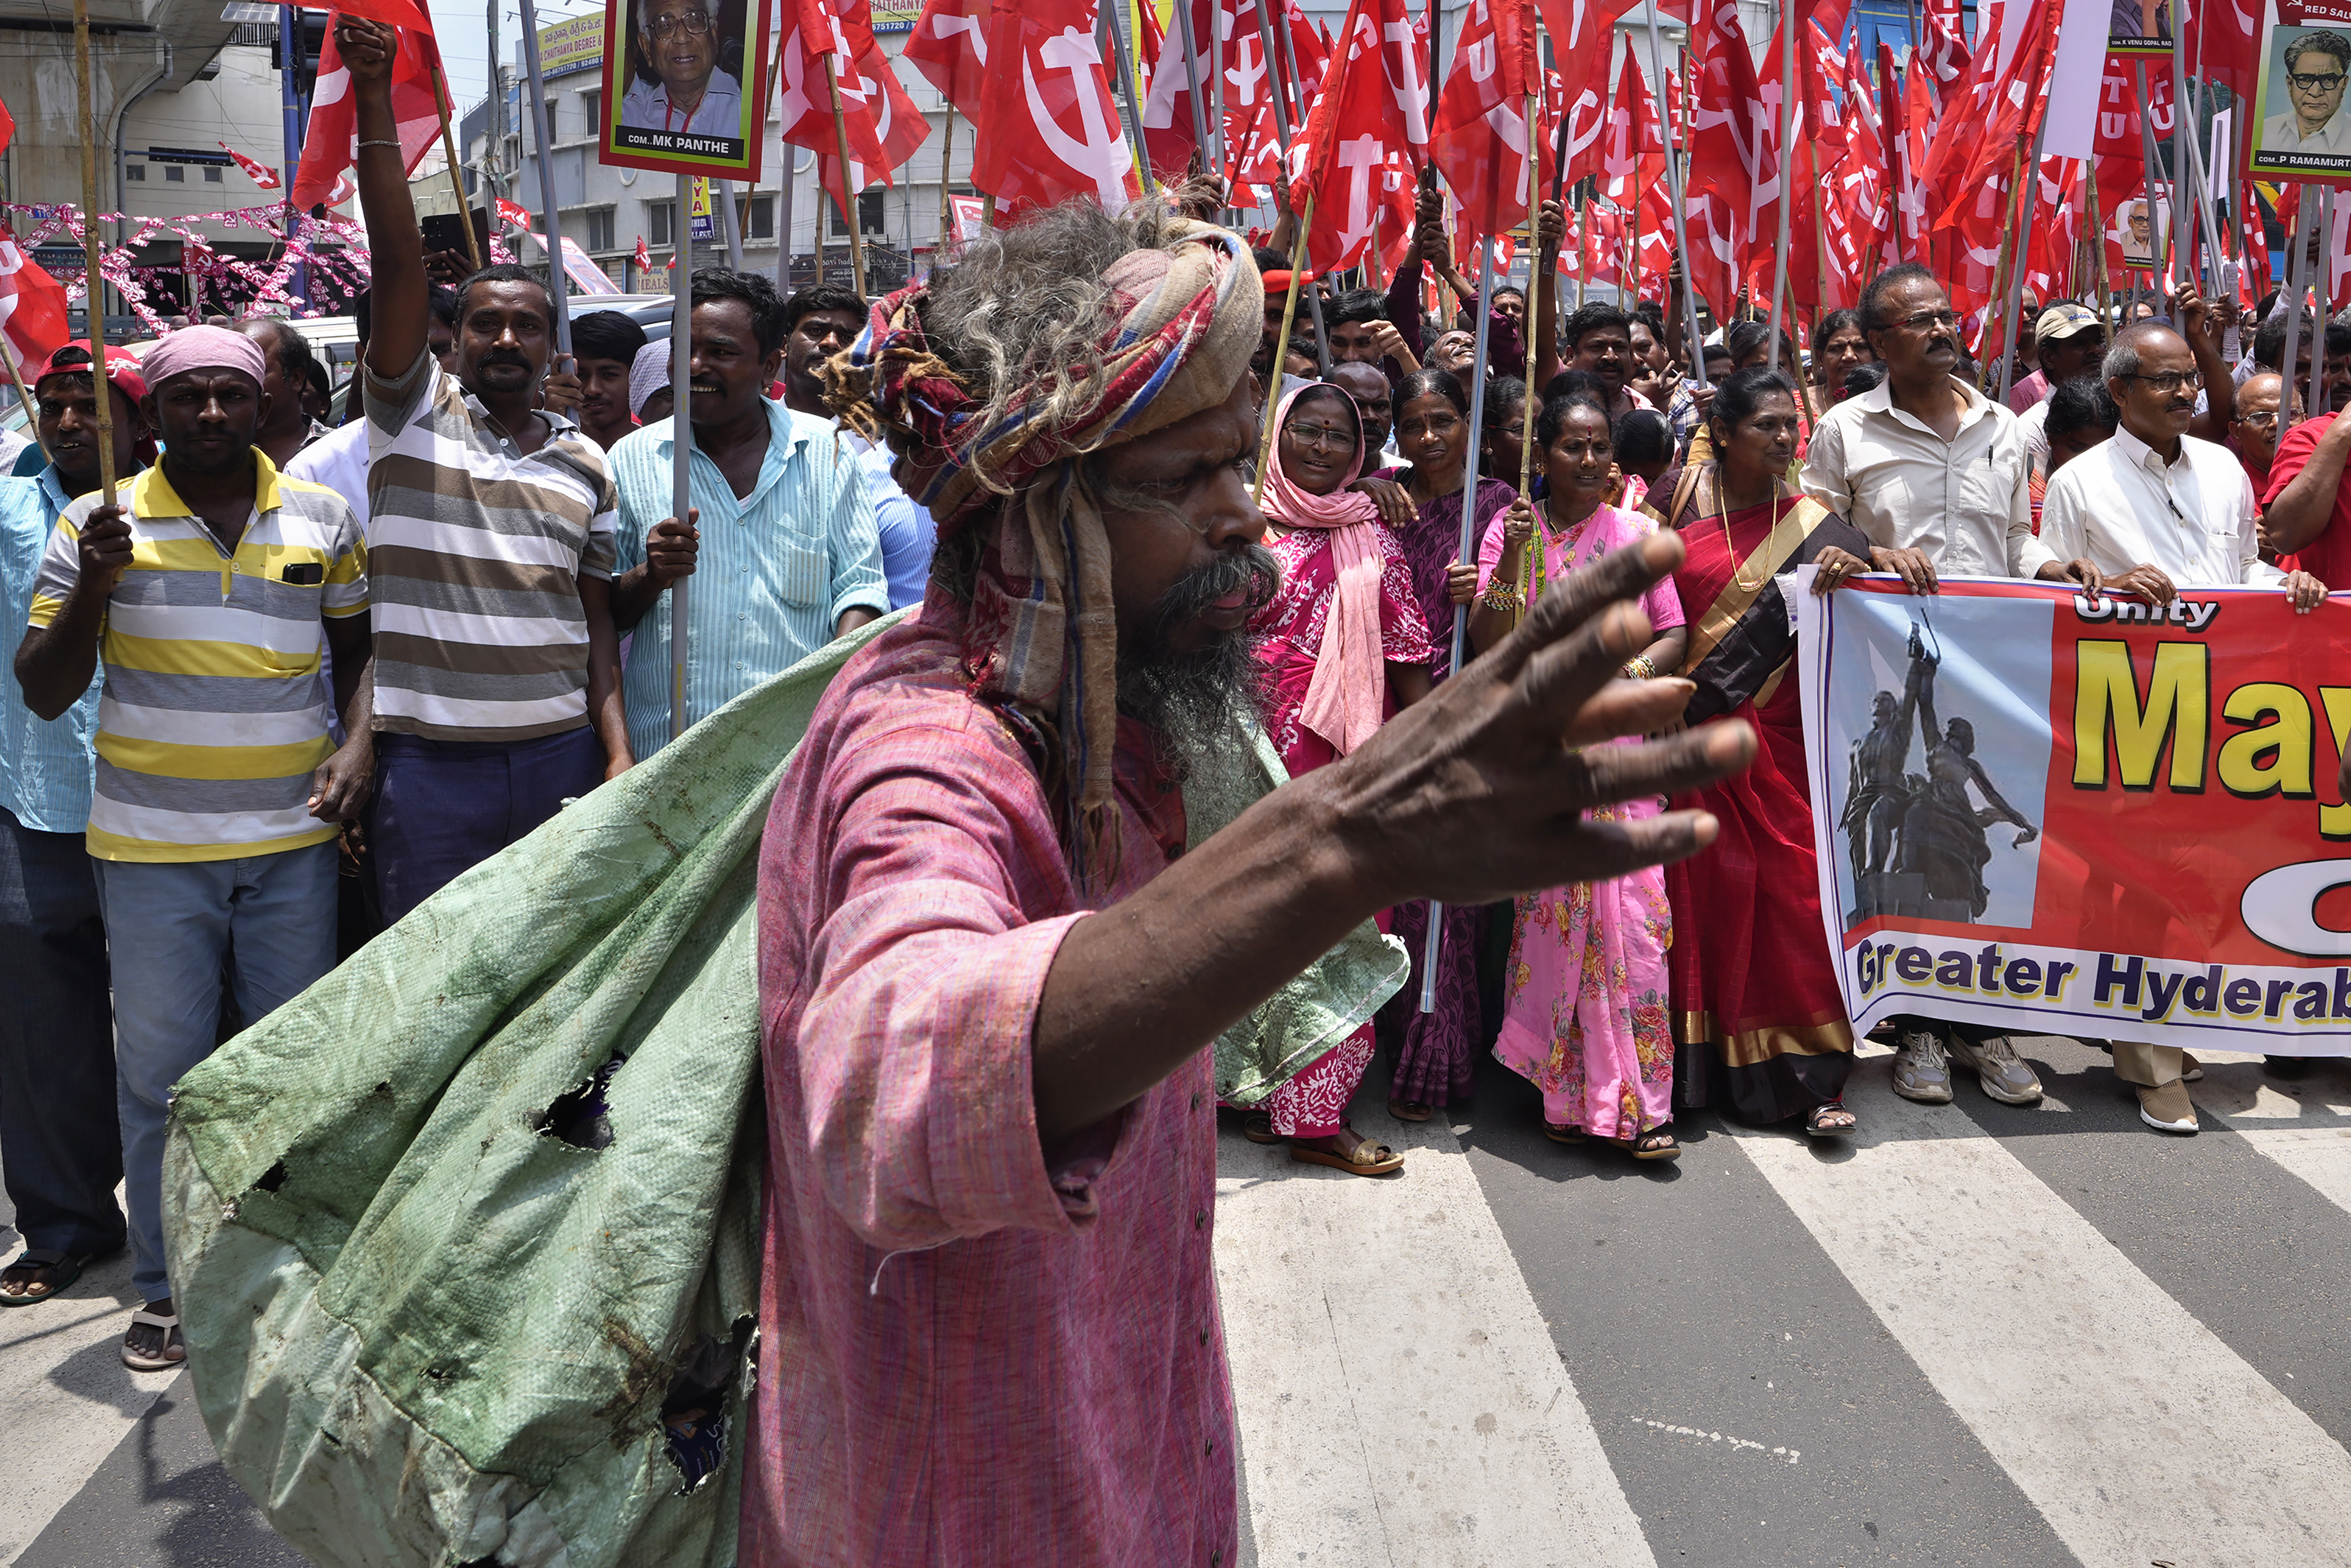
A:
{"x": 219, "y": 792}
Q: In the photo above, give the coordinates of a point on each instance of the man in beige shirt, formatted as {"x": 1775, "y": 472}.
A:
{"x": 1936, "y": 474}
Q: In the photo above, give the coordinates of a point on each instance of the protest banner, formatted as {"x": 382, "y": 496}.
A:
{"x": 2298, "y": 128}
{"x": 2139, "y": 27}
{"x": 683, "y": 86}
{"x": 2058, "y": 814}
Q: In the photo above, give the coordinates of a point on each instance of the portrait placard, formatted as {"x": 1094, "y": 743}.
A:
{"x": 684, "y": 81}
{"x": 2139, "y": 28}
{"x": 2299, "y": 128}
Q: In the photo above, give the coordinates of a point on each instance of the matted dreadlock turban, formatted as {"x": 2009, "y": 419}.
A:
{"x": 1186, "y": 311}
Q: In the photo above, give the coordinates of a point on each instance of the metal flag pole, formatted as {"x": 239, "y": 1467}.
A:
{"x": 2183, "y": 162}
{"x": 1192, "y": 62}
{"x": 1674, "y": 190}
{"x": 2321, "y": 287}
{"x": 789, "y": 154}
{"x": 94, "y": 283}
{"x": 1433, "y": 943}
{"x": 1527, "y": 335}
{"x": 2023, "y": 257}
{"x": 559, "y": 290}
{"x": 2297, "y": 248}
{"x": 1279, "y": 93}
{"x": 1787, "y": 157}
{"x": 1126, "y": 69}
{"x": 2158, "y": 230}
{"x": 722, "y": 193}
{"x": 681, "y": 444}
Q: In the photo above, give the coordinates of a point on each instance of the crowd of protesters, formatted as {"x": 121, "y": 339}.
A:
{"x": 299, "y": 677}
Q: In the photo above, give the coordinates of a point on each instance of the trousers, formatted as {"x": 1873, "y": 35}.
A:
{"x": 172, "y": 927}
{"x": 443, "y": 807}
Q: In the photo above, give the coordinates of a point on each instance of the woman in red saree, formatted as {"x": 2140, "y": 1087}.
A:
{"x": 1759, "y": 1026}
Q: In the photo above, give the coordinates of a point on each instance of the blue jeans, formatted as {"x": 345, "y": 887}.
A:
{"x": 172, "y": 926}
{"x": 444, "y": 807}
{"x": 58, "y": 1136}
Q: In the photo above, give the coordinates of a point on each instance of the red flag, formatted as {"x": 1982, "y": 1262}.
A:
{"x": 1992, "y": 113}
{"x": 877, "y": 118}
{"x": 261, "y": 174}
{"x": 1632, "y": 150}
{"x": 1580, "y": 40}
{"x": 7, "y": 128}
{"x": 644, "y": 257}
{"x": 514, "y": 213}
{"x": 32, "y": 307}
{"x": 1357, "y": 133}
{"x": 1168, "y": 130}
{"x": 949, "y": 46}
{"x": 1479, "y": 141}
{"x": 408, "y": 15}
{"x": 1735, "y": 131}
{"x": 2223, "y": 40}
{"x": 333, "y": 143}
{"x": 1050, "y": 127}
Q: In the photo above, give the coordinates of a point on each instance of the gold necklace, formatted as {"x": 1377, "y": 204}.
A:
{"x": 1722, "y": 515}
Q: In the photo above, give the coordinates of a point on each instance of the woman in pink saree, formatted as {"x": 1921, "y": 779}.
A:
{"x": 1586, "y": 996}
{"x": 1343, "y": 646}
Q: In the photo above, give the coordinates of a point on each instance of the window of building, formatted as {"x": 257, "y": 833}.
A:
{"x": 212, "y": 174}
{"x": 661, "y": 223}
{"x": 595, "y": 224}
{"x": 591, "y": 111}
{"x": 175, "y": 174}
{"x": 135, "y": 172}
{"x": 869, "y": 215}
{"x": 759, "y": 221}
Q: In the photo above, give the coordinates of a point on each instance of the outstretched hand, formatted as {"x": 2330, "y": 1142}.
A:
{"x": 1480, "y": 792}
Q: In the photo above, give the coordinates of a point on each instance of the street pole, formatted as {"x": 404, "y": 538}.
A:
{"x": 558, "y": 288}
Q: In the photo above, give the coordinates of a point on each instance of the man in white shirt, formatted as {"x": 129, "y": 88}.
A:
{"x": 1934, "y": 474}
{"x": 2151, "y": 511}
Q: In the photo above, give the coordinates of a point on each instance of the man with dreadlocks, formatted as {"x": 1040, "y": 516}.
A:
{"x": 986, "y": 979}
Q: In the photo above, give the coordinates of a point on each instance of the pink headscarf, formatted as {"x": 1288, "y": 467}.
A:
{"x": 1344, "y": 699}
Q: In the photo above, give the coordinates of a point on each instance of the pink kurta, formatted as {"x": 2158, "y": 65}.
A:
{"x": 1584, "y": 997}
{"x": 1315, "y": 1103}
{"x": 974, "y": 1350}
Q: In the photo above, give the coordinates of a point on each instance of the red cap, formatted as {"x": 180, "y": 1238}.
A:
{"x": 1277, "y": 280}
{"x": 121, "y": 368}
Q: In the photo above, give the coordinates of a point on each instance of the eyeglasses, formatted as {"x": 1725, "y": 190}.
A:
{"x": 2259, "y": 421}
{"x": 1925, "y": 320}
{"x": 2168, "y": 382}
{"x": 695, "y": 22}
{"x": 2316, "y": 81}
{"x": 1330, "y": 436}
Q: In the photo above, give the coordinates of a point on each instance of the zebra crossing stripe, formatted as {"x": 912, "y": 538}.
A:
{"x": 2136, "y": 1431}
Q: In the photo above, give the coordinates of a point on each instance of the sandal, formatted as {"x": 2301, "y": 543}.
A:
{"x": 1257, "y": 1128}
{"x": 1559, "y": 1134}
{"x": 164, "y": 1360}
{"x": 1657, "y": 1144}
{"x": 1816, "y": 1125}
{"x": 1369, "y": 1157}
{"x": 63, "y": 1269}
{"x": 1410, "y": 1110}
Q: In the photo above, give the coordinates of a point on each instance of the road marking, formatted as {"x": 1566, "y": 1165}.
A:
{"x": 1400, "y": 1398}
{"x": 66, "y": 1398}
{"x": 2134, "y": 1430}
{"x": 1778, "y": 1450}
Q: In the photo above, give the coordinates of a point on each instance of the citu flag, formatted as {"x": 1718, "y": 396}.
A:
{"x": 331, "y": 144}
{"x": 1369, "y": 118}
{"x": 261, "y": 174}
{"x": 1632, "y": 147}
{"x": 1990, "y": 114}
{"x": 1170, "y": 137}
{"x": 32, "y": 305}
{"x": 878, "y": 120}
{"x": 949, "y": 46}
{"x": 1734, "y": 135}
{"x": 1582, "y": 36}
{"x": 1050, "y": 129}
{"x": 1481, "y": 140}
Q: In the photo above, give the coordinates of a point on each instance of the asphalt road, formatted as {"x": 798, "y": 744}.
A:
{"x": 1975, "y": 1335}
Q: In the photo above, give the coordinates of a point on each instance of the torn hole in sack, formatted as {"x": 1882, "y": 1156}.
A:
{"x": 584, "y": 1118}
{"x": 694, "y": 1414}
{"x": 271, "y": 1179}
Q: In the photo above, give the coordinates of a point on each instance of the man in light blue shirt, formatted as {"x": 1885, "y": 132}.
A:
{"x": 792, "y": 559}
{"x": 60, "y": 1142}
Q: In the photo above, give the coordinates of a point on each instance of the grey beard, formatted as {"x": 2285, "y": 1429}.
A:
{"x": 1201, "y": 705}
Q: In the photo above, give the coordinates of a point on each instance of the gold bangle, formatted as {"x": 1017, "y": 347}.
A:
{"x": 1501, "y": 596}
{"x": 1640, "y": 667}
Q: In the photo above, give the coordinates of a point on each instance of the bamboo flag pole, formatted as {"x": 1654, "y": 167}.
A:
{"x": 94, "y": 296}
{"x": 946, "y": 176}
{"x": 2018, "y": 262}
{"x": 1432, "y": 946}
{"x": 457, "y": 173}
{"x": 1280, "y": 347}
{"x": 2098, "y": 242}
{"x": 2002, "y": 262}
{"x": 787, "y": 179}
{"x": 848, "y": 201}
{"x": 1280, "y": 91}
{"x": 1787, "y": 162}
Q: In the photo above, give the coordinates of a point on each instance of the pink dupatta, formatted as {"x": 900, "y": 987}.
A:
{"x": 1343, "y": 701}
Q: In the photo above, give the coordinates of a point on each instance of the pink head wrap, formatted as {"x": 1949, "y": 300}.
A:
{"x": 1344, "y": 700}
{"x": 204, "y": 349}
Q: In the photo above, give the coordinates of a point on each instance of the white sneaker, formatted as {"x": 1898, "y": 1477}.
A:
{"x": 1922, "y": 1069}
{"x": 1997, "y": 1067}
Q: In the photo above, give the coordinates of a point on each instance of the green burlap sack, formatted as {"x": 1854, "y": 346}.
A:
{"x": 443, "y": 1265}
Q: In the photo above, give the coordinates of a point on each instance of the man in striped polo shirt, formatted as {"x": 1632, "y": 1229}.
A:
{"x": 219, "y": 791}
{"x": 496, "y": 673}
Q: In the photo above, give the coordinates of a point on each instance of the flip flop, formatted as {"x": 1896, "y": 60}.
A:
{"x": 1558, "y": 1135}
{"x": 1257, "y": 1128}
{"x": 1386, "y": 1162}
{"x": 68, "y": 1267}
{"x": 164, "y": 1361}
{"x": 1671, "y": 1149}
{"x": 1410, "y": 1110}
{"x": 1813, "y": 1129}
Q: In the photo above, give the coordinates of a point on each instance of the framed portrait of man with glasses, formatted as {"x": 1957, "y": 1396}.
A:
{"x": 2302, "y": 128}
{"x": 682, "y": 81}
